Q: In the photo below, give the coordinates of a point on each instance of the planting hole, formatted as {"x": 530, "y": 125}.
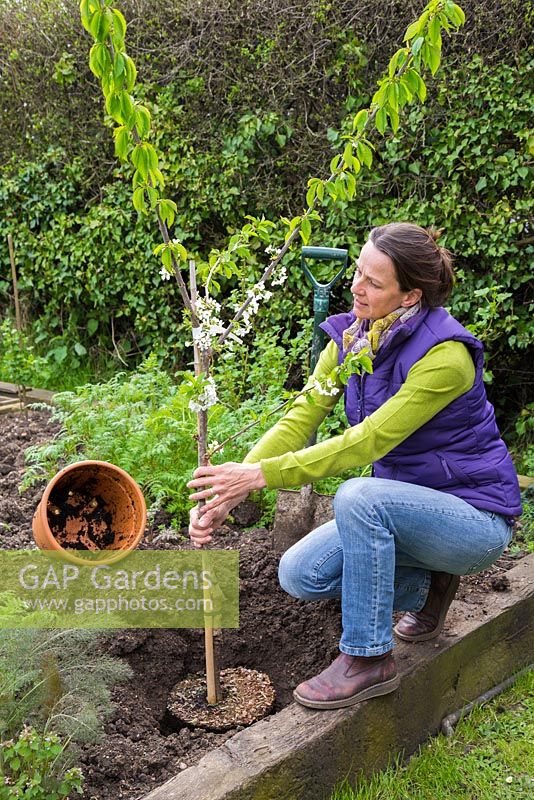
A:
{"x": 247, "y": 696}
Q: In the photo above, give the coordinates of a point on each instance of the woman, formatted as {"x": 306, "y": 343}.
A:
{"x": 444, "y": 492}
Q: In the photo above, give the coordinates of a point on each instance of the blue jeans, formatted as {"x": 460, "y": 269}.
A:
{"x": 378, "y": 552}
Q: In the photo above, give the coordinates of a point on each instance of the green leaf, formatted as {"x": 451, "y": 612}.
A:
{"x": 138, "y": 200}
{"x": 397, "y": 60}
{"x": 92, "y": 325}
{"x": 310, "y": 194}
{"x": 305, "y": 230}
{"x": 340, "y": 187}
{"x": 94, "y": 60}
{"x": 365, "y": 154}
{"x": 455, "y": 14}
{"x": 417, "y": 45}
{"x": 59, "y": 354}
{"x": 394, "y": 117}
{"x": 360, "y": 120}
{"x": 87, "y": 9}
{"x": 153, "y": 196}
{"x": 99, "y": 60}
{"x": 331, "y": 189}
{"x": 182, "y": 252}
{"x": 412, "y": 30}
{"x": 167, "y": 210}
{"x": 131, "y": 72}
{"x": 434, "y": 30}
{"x": 119, "y": 23}
{"x": 122, "y": 142}
{"x": 118, "y": 69}
{"x": 366, "y": 363}
{"x": 481, "y": 184}
{"x": 405, "y": 91}
{"x": 113, "y": 107}
{"x": 381, "y": 120}
{"x": 421, "y": 88}
{"x": 411, "y": 79}
{"x": 142, "y": 121}
{"x": 156, "y": 176}
{"x": 100, "y": 24}
{"x": 137, "y": 179}
{"x": 166, "y": 257}
{"x": 380, "y": 95}
{"x": 393, "y": 96}
{"x": 334, "y": 164}
{"x": 347, "y": 154}
{"x": 94, "y": 23}
{"x": 351, "y": 185}
{"x": 80, "y": 349}
{"x": 139, "y": 159}
{"x": 153, "y": 163}
{"x": 127, "y": 107}
{"x": 431, "y": 57}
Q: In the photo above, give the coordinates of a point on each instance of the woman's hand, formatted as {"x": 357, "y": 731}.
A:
{"x": 225, "y": 483}
{"x": 229, "y": 484}
{"x": 202, "y": 525}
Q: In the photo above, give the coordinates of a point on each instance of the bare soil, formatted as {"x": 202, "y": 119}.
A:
{"x": 287, "y": 639}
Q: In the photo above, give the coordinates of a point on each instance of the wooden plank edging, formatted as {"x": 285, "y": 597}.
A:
{"x": 32, "y": 395}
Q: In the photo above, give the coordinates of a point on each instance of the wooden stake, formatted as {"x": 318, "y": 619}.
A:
{"x": 18, "y": 318}
{"x": 214, "y": 694}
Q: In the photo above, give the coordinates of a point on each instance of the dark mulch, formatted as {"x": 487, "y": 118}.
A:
{"x": 285, "y": 638}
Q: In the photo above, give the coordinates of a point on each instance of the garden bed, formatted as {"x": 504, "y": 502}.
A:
{"x": 286, "y": 638}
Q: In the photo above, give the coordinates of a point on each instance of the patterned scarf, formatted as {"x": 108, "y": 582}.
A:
{"x": 356, "y": 338}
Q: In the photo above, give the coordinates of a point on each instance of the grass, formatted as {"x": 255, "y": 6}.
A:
{"x": 490, "y": 757}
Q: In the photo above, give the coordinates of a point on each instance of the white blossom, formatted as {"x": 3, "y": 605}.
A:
{"x": 210, "y": 324}
{"x": 213, "y": 446}
{"x": 207, "y": 398}
{"x": 255, "y": 295}
{"x": 326, "y": 387}
{"x": 279, "y": 277}
{"x": 165, "y": 274}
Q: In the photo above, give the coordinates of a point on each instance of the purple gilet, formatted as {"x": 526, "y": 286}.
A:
{"x": 459, "y": 450}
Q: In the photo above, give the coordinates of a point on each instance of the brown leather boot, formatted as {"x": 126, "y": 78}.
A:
{"x": 418, "y": 626}
{"x": 348, "y": 680}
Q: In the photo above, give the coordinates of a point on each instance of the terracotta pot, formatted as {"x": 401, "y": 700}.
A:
{"x": 91, "y": 506}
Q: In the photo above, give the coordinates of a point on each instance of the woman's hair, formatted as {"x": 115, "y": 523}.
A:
{"x": 420, "y": 263}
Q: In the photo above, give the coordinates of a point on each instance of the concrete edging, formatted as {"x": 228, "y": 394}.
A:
{"x": 300, "y": 754}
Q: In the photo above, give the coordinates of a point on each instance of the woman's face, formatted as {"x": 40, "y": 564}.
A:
{"x": 375, "y": 287}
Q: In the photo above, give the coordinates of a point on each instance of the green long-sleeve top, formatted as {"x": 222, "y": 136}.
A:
{"x": 444, "y": 373}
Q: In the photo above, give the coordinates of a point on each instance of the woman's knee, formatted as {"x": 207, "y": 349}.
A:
{"x": 351, "y": 493}
{"x": 311, "y": 569}
{"x": 291, "y": 574}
